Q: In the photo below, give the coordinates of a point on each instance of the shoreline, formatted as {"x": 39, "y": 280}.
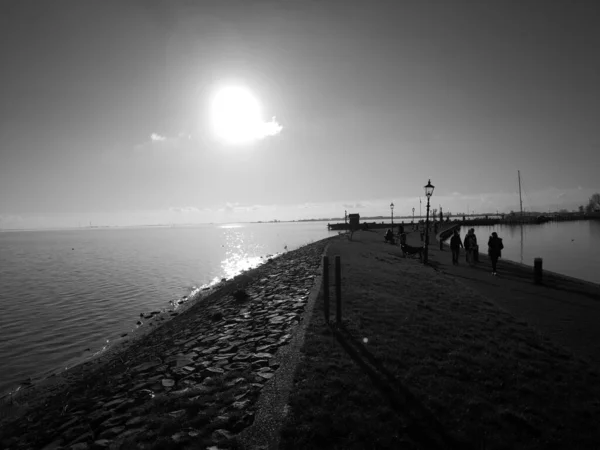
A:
{"x": 196, "y": 351}
{"x": 150, "y": 321}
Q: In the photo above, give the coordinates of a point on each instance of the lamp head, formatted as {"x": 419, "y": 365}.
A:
{"x": 429, "y": 189}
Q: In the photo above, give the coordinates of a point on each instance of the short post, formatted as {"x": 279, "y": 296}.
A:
{"x": 338, "y": 290}
{"x": 326, "y": 287}
{"x": 537, "y": 270}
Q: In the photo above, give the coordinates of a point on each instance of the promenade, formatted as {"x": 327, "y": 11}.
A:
{"x": 565, "y": 309}
{"x": 439, "y": 356}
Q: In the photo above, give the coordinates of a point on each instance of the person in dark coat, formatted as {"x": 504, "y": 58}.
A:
{"x": 389, "y": 236}
{"x": 475, "y": 246}
{"x": 495, "y": 247}
{"x": 455, "y": 245}
{"x": 469, "y": 245}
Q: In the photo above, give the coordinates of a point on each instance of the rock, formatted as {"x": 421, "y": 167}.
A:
{"x": 266, "y": 375}
{"x": 134, "y": 421}
{"x": 241, "y": 405}
{"x": 79, "y": 446}
{"x": 55, "y": 445}
{"x": 178, "y": 437}
{"x": 221, "y": 435}
{"x": 217, "y": 316}
{"x": 178, "y": 413}
{"x": 168, "y": 382}
{"x": 111, "y": 432}
{"x": 101, "y": 444}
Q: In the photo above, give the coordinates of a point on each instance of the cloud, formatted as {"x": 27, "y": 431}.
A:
{"x": 270, "y": 128}
{"x": 185, "y": 209}
{"x": 354, "y": 205}
{"x": 157, "y": 137}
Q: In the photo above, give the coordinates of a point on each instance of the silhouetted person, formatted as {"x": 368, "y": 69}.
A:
{"x": 495, "y": 247}
{"x": 389, "y": 236}
{"x": 455, "y": 245}
{"x": 469, "y": 247}
{"x": 475, "y": 245}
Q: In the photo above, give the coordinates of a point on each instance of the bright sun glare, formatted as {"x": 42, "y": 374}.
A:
{"x": 236, "y": 116}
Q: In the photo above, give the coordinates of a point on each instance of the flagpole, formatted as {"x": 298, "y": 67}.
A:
{"x": 420, "y": 214}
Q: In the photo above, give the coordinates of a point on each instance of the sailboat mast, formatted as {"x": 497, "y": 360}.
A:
{"x": 520, "y": 198}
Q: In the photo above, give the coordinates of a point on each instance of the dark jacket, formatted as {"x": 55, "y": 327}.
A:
{"x": 455, "y": 242}
{"x": 495, "y": 247}
{"x": 469, "y": 241}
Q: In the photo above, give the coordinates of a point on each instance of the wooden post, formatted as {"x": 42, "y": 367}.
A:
{"x": 326, "y": 287}
{"x": 537, "y": 270}
{"x": 338, "y": 290}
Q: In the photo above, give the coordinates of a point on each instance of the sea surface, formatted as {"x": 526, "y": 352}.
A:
{"x": 66, "y": 295}
{"x": 570, "y": 248}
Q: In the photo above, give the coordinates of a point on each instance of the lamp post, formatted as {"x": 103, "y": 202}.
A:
{"x": 428, "y": 193}
{"x": 392, "y": 208}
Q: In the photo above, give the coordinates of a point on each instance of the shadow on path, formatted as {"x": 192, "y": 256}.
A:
{"x": 422, "y": 427}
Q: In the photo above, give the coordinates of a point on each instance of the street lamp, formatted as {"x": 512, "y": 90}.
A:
{"x": 428, "y": 193}
{"x": 392, "y": 208}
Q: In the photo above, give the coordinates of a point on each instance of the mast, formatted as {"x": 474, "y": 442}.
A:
{"x": 520, "y": 198}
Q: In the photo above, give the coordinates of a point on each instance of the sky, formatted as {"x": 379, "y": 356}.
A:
{"x": 105, "y": 109}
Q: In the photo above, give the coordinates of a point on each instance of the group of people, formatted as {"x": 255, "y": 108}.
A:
{"x": 389, "y": 235}
{"x": 495, "y": 247}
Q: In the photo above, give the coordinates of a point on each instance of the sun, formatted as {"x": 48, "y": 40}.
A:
{"x": 235, "y": 115}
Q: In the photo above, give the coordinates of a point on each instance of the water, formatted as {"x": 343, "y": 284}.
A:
{"x": 569, "y": 248}
{"x": 62, "y": 292}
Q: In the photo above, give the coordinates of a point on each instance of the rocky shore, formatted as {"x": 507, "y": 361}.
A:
{"x": 193, "y": 382}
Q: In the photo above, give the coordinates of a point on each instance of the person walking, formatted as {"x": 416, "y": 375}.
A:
{"x": 475, "y": 245}
{"x": 455, "y": 245}
{"x": 468, "y": 244}
{"x": 495, "y": 247}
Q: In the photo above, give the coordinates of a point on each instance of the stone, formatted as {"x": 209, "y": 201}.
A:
{"x": 134, "y": 421}
{"x": 260, "y": 363}
{"x": 266, "y": 375}
{"x": 221, "y": 435}
{"x": 101, "y": 444}
{"x": 178, "y": 413}
{"x": 54, "y": 445}
{"x": 113, "y": 403}
{"x": 244, "y": 356}
{"x": 144, "y": 367}
{"x": 168, "y": 382}
{"x": 241, "y": 405}
{"x": 237, "y": 366}
{"x": 111, "y": 432}
{"x": 79, "y": 446}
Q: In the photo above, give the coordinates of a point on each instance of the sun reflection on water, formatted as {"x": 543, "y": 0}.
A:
{"x": 240, "y": 254}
